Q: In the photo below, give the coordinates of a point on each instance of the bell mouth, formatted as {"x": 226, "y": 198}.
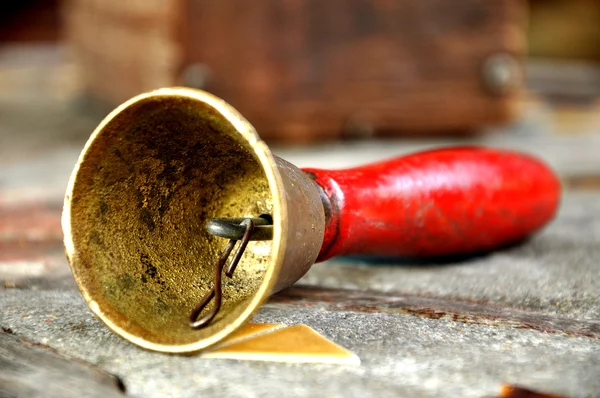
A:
{"x": 134, "y": 219}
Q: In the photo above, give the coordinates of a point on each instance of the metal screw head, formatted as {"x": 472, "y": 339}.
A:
{"x": 501, "y": 73}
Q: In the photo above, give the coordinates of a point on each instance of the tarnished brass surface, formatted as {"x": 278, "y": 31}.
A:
{"x": 149, "y": 178}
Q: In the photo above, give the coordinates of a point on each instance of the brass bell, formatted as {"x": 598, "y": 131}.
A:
{"x": 135, "y": 213}
{"x": 172, "y": 181}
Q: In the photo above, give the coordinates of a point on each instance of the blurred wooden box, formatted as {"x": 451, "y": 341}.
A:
{"x": 307, "y": 70}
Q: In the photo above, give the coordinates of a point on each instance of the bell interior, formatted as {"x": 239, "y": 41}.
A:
{"x": 147, "y": 184}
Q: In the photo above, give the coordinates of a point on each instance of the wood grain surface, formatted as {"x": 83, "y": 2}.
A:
{"x": 33, "y": 370}
{"x": 310, "y": 70}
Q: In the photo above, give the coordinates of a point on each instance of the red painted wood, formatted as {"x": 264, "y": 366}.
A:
{"x": 440, "y": 202}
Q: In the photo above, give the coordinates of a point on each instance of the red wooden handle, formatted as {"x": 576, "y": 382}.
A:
{"x": 440, "y": 202}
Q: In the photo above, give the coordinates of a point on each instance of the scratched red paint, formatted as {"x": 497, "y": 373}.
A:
{"x": 440, "y": 202}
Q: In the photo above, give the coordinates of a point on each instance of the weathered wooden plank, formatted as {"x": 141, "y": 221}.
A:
{"x": 309, "y": 70}
{"x": 464, "y": 311}
{"x": 32, "y": 370}
{"x": 31, "y": 247}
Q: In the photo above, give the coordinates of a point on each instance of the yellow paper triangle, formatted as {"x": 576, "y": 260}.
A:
{"x": 249, "y": 330}
{"x": 295, "y": 344}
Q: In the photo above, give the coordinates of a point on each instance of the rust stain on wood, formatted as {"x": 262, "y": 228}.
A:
{"x": 30, "y": 237}
{"x": 509, "y": 391}
{"x": 590, "y": 182}
{"x": 36, "y": 222}
{"x": 31, "y": 247}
